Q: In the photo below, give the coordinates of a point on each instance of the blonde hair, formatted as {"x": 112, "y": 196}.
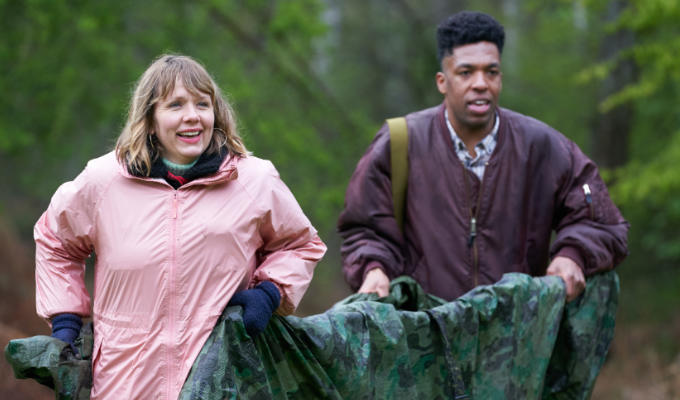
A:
{"x": 136, "y": 148}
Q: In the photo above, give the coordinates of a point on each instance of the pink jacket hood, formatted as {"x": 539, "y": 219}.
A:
{"x": 167, "y": 263}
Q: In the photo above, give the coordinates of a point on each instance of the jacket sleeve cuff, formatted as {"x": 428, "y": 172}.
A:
{"x": 281, "y": 292}
{"x": 371, "y": 266}
{"x": 281, "y": 308}
{"x": 66, "y": 320}
{"x": 574, "y": 254}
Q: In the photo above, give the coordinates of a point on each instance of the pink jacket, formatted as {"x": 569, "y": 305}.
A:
{"x": 168, "y": 261}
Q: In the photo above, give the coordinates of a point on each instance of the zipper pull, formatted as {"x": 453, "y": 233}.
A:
{"x": 473, "y": 231}
{"x": 173, "y": 214}
{"x": 586, "y": 191}
{"x": 589, "y": 200}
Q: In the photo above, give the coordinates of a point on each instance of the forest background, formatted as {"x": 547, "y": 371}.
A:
{"x": 313, "y": 80}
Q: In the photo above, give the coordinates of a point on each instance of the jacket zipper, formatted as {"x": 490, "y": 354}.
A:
{"x": 171, "y": 293}
{"x": 475, "y": 255}
{"x": 473, "y": 234}
{"x": 472, "y": 243}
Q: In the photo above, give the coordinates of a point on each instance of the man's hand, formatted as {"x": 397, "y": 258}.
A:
{"x": 571, "y": 274}
{"x": 376, "y": 282}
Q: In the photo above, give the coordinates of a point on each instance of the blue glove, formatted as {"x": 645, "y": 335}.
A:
{"x": 259, "y": 303}
{"x": 66, "y": 327}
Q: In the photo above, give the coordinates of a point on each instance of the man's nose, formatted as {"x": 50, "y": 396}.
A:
{"x": 479, "y": 81}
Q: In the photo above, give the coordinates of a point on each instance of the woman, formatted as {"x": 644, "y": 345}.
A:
{"x": 181, "y": 219}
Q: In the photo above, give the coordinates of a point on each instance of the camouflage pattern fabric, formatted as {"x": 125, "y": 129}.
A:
{"x": 586, "y": 331}
{"x": 512, "y": 340}
{"x": 53, "y": 363}
{"x": 505, "y": 341}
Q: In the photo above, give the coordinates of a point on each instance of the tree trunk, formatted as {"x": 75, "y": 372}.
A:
{"x": 611, "y": 129}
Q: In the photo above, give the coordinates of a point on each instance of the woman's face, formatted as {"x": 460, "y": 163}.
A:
{"x": 183, "y": 124}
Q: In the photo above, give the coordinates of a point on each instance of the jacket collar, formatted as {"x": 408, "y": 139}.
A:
{"x": 227, "y": 171}
{"x": 503, "y": 129}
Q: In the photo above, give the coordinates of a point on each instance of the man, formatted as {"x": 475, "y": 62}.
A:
{"x": 486, "y": 188}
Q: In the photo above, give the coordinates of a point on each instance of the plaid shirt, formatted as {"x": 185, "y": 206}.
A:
{"x": 483, "y": 148}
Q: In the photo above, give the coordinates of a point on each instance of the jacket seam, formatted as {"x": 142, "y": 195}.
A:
{"x": 97, "y": 205}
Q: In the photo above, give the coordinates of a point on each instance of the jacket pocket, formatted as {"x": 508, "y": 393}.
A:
{"x": 599, "y": 205}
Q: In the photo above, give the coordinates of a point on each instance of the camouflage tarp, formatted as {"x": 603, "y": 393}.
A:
{"x": 511, "y": 340}
{"x": 53, "y": 363}
{"x": 495, "y": 342}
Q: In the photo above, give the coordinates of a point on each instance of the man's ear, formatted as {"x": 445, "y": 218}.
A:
{"x": 440, "y": 78}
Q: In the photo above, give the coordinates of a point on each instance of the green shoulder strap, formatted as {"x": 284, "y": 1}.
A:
{"x": 399, "y": 165}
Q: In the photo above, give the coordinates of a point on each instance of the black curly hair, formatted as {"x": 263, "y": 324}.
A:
{"x": 468, "y": 27}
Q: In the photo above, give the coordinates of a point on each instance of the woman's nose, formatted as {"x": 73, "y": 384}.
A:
{"x": 191, "y": 113}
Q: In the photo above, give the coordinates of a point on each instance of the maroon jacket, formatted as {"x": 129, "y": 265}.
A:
{"x": 532, "y": 186}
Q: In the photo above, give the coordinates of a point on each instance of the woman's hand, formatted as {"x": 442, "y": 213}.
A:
{"x": 259, "y": 303}
{"x": 66, "y": 327}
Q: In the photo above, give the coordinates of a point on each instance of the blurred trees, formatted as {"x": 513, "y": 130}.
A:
{"x": 648, "y": 187}
{"x": 68, "y": 69}
{"x": 312, "y": 80}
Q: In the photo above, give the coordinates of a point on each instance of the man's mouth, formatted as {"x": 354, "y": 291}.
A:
{"x": 479, "y": 106}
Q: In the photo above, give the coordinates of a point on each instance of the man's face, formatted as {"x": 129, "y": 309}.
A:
{"x": 471, "y": 83}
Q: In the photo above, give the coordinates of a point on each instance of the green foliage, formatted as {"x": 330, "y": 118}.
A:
{"x": 68, "y": 69}
{"x": 648, "y": 188}
{"x": 312, "y": 81}
{"x": 654, "y": 22}
{"x": 649, "y": 194}
{"x": 652, "y": 182}
{"x": 546, "y": 47}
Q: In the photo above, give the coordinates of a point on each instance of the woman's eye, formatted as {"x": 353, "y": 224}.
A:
{"x": 174, "y": 104}
{"x": 204, "y": 104}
